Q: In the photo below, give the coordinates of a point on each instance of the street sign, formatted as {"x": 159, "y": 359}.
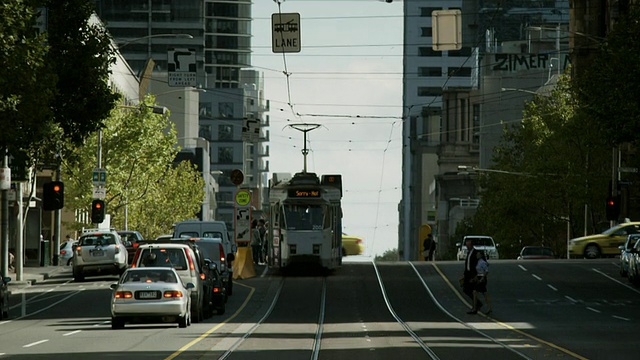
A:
{"x": 181, "y": 66}
{"x": 5, "y": 178}
{"x": 99, "y": 177}
{"x": 447, "y": 29}
{"x": 243, "y": 197}
{"x": 285, "y": 37}
{"x": 99, "y": 192}
{"x": 628, "y": 169}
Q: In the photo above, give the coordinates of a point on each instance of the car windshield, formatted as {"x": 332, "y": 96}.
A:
{"x": 156, "y": 275}
{"x": 98, "y": 239}
{"x": 304, "y": 217}
{"x": 162, "y": 257}
{"x": 482, "y": 242}
{"x": 622, "y": 230}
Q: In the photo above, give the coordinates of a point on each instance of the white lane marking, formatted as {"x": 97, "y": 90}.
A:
{"x": 536, "y": 276}
{"x": 5, "y": 322}
{"x": 523, "y": 268}
{"x": 616, "y": 280}
{"x": 594, "y": 310}
{"x": 552, "y": 287}
{"x": 571, "y": 299}
{"x": 621, "y": 318}
{"x": 35, "y": 343}
{"x": 71, "y": 333}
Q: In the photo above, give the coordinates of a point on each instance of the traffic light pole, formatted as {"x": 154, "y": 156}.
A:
{"x": 56, "y": 240}
{"x": 4, "y": 222}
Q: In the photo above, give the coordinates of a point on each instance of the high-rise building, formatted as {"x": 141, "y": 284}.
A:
{"x": 218, "y": 33}
{"x": 446, "y": 123}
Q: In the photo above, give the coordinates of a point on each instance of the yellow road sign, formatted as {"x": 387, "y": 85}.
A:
{"x": 243, "y": 197}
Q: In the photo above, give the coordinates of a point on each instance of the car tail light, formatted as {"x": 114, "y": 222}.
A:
{"x": 79, "y": 250}
{"x": 135, "y": 258}
{"x": 62, "y": 252}
{"x": 358, "y": 241}
{"x": 222, "y": 258}
{"x": 123, "y": 295}
{"x": 190, "y": 258}
{"x": 135, "y": 245}
{"x": 173, "y": 294}
{"x": 216, "y": 289}
{"x": 203, "y": 276}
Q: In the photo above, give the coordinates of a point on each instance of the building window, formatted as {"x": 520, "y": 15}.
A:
{"x": 429, "y": 52}
{"x": 426, "y": 11}
{"x": 476, "y": 124}
{"x": 226, "y": 109}
{"x": 206, "y": 110}
{"x": 430, "y": 71}
{"x": 225, "y": 155}
{"x": 427, "y": 32}
{"x": 225, "y": 132}
{"x": 459, "y": 72}
{"x": 464, "y": 127}
{"x": 205, "y": 132}
{"x": 463, "y": 52}
{"x": 429, "y": 91}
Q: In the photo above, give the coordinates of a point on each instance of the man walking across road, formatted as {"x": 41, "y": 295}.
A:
{"x": 468, "y": 285}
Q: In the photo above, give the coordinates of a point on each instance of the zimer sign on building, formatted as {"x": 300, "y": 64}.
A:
{"x": 285, "y": 37}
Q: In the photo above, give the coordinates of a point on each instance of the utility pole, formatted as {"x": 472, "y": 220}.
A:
{"x": 4, "y": 222}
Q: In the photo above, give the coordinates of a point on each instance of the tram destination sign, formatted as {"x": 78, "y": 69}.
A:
{"x": 306, "y": 193}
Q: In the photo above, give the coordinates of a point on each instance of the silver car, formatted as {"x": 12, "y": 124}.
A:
{"x": 99, "y": 253}
{"x": 150, "y": 294}
{"x": 626, "y": 254}
{"x": 66, "y": 252}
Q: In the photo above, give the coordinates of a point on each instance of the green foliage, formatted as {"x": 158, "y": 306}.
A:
{"x": 24, "y": 82}
{"x": 609, "y": 89}
{"x": 138, "y": 155}
{"x": 556, "y": 163}
{"x": 389, "y": 255}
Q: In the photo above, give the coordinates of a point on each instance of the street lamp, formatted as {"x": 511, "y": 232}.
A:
{"x": 520, "y": 90}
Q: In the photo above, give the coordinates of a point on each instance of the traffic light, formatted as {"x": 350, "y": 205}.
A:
{"x": 613, "y": 208}
{"x": 97, "y": 211}
{"x": 53, "y": 195}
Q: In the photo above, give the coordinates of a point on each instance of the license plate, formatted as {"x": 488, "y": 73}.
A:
{"x": 148, "y": 294}
{"x": 97, "y": 253}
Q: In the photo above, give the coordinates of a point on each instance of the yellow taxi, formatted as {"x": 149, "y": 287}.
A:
{"x": 605, "y": 244}
{"x": 352, "y": 245}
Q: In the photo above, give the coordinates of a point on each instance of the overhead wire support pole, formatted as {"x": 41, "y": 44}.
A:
{"x": 305, "y": 128}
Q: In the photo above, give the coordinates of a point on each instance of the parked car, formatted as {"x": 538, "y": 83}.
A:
{"x": 131, "y": 239}
{"x": 182, "y": 258}
{"x": 66, "y": 252}
{"x": 605, "y": 244}
{"x": 535, "y": 253}
{"x": 480, "y": 242}
{"x": 352, "y": 245}
{"x": 150, "y": 294}
{"x": 4, "y": 296}
{"x": 633, "y": 273}
{"x": 99, "y": 253}
{"x": 626, "y": 254}
{"x": 213, "y": 249}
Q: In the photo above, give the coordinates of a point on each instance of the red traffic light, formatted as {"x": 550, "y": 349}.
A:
{"x": 57, "y": 188}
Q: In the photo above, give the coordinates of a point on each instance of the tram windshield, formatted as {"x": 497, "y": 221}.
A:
{"x": 304, "y": 217}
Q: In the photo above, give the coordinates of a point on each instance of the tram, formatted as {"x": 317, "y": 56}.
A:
{"x": 305, "y": 222}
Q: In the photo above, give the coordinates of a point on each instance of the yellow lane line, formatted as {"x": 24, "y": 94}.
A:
{"x": 210, "y": 331}
{"x": 507, "y": 326}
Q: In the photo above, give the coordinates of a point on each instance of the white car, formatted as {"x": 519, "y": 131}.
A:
{"x": 480, "y": 242}
{"x": 150, "y": 294}
{"x": 66, "y": 252}
{"x": 99, "y": 253}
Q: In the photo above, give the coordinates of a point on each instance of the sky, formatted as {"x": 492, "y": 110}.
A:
{"x": 348, "y": 79}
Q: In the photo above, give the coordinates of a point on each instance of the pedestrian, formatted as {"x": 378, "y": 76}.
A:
{"x": 432, "y": 247}
{"x": 482, "y": 270}
{"x": 12, "y": 262}
{"x": 256, "y": 244}
{"x": 427, "y": 243}
{"x": 470, "y": 272}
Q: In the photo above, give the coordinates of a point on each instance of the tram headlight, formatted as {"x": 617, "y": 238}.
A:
{"x": 316, "y": 249}
{"x": 292, "y": 249}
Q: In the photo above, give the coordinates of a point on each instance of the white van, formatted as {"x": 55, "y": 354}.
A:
{"x": 209, "y": 229}
{"x": 480, "y": 242}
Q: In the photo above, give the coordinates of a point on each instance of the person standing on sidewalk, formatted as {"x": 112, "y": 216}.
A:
{"x": 256, "y": 242}
{"x": 468, "y": 285}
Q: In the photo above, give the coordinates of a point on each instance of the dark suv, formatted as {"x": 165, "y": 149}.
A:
{"x": 131, "y": 240}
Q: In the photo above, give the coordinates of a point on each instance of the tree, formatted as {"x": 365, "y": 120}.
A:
{"x": 389, "y": 255}
{"x": 552, "y": 164}
{"x": 138, "y": 154}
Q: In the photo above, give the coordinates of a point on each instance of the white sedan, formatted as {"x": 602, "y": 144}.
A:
{"x": 150, "y": 294}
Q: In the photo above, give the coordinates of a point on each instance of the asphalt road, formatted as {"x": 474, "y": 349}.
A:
{"x": 566, "y": 309}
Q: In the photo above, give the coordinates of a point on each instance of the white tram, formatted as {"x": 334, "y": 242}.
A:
{"x": 305, "y": 224}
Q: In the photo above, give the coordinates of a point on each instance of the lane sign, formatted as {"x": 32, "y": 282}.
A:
{"x": 285, "y": 37}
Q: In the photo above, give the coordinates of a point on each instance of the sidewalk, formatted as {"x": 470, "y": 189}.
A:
{"x": 32, "y": 275}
